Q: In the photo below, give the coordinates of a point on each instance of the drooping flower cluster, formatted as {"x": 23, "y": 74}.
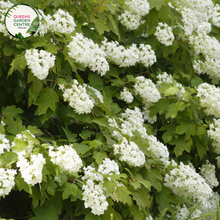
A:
{"x": 61, "y": 22}
{"x": 164, "y": 34}
{"x": 126, "y": 96}
{"x": 159, "y": 149}
{"x": 125, "y": 57}
{"x": 215, "y": 15}
{"x": 4, "y": 144}
{"x": 149, "y": 94}
{"x": 209, "y": 96}
{"x": 39, "y": 62}
{"x": 87, "y": 53}
{"x": 131, "y": 17}
{"x": 213, "y": 132}
{"x": 31, "y": 168}
{"x": 66, "y": 158}
{"x": 186, "y": 182}
{"x": 130, "y": 153}
{"x": 78, "y": 98}
{"x": 7, "y": 181}
{"x": 94, "y": 194}
{"x": 208, "y": 173}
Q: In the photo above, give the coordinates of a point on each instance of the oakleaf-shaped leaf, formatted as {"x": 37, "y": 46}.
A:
{"x": 48, "y": 98}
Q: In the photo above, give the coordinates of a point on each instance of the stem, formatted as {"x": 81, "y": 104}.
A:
{"x": 96, "y": 9}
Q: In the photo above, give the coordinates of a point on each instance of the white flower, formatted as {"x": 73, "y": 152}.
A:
{"x": 208, "y": 173}
{"x": 7, "y": 181}
{"x": 129, "y": 153}
{"x": 66, "y": 158}
{"x": 164, "y": 34}
{"x": 126, "y": 96}
{"x": 39, "y": 62}
{"x": 140, "y": 7}
{"x": 87, "y": 53}
{"x": 209, "y": 96}
{"x": 31, "y": 171}
{"x": 108, "y": 167}
{"x": 185, "y": 182}
{"x": 4, "y": 144}
{"x": 78, "y": 98}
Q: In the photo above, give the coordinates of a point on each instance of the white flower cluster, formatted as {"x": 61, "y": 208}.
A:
{"x": 164, "y": 34}
{"x": 26, "y": 139}
{"x": 78, "y": 98}
{"x": 129, "y": 153}
{"x": 7, "y": 180}
{"x": 125, "y": 57}
{"x": 87, "y": 53}
{"x": 108, "y": 167}
{"x": 61, "y": 22}
{"x": 158, "y": 148}
{"x": 4, "y": 6}
{"x": 185, "y": 182}
{"x": 208, "y": 173}
{"x": 94, "y": 194}
{"x": 213, "y": 132}
{"x": 149, "y": 94}
{"x": 215, "y": 15}
{"x": 183, "y": 213}
{"x": 31, "y": 170}
{"x": 147, "y": 90}
{"x": 4, "y": 144}
{"x": 209, "y": 96}
{"x": 167, "y": 78}
{"x": 207, "y": 46}
{"x": 126, "y": 96}
{"x": 131, "y": 18}
{"x": 194, "y": 13}
{"x": 39, "y": 62}
{"x": 66, "y": 158}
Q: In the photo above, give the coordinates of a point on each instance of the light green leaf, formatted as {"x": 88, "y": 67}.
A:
{"x": 8, "y": 158}
{"x": 43, "y": 213}
{"x": 186, "y": 127}
{"x": 48, "y": 98}
{"x": 142, "y": 198}
{"x": 157, "y": 3}
{"x": 173, "y": 109}
{"x": 21, "y": 184}
{"x": 99, "y": 156}
{"x": 136, "y": 212}
{"x": 124, "y": 195}
{"x": 100, "y": 25}
{"x": 110, "y": 185}
{"x": 68, "y": 190}
{"x": 160, "y": 107}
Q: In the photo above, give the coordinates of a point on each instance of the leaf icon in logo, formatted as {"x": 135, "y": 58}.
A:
{"x": 34, "y": 26}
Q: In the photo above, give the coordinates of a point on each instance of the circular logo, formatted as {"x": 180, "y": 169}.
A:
{"x": 22, "y": 21}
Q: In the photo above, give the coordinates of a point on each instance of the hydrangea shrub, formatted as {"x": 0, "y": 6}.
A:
{"x": 110, "y": 111}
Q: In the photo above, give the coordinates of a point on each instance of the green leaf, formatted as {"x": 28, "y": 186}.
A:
{"x": 57, "y": 3}
{"x": 201, "y": 148}
{"x": 157, "y": 3}
{"x": 173, "y": 109}
{"x": 144, "y": 182}
{"x": 52, "y": 48}
{"x": 142, "y": 198}
{"x": 11, "y": 111}
{"x": 44, "y": 213}
{"x": 113, "y": 26}
{"x": 154, "y": 177}
{"x": 168, "y": 89}
{"x": 14, "y": 126}
{"x": 136, "y": 213}
{"x": 110, "y": 185}
{"x": 91, "y": 216}
{"x": 95, "y": 81}
{"x": 21, "y": 184}
{"x": 81, "y": 149}
{"x": 99, "y": 156}
{"x": 48, "y": 98}
{"x": 50, "y": 186}
{"x": 186, "y": 127}
{"x": 100, "y": 25}
{"x": 124, "y": 195}
{"x": 32, "y": 3}
{"x": 170, "y": 131}
{"x": 68, "y": 190}
{"x": 160, "y": 107}
{"x": 70, "y": 136}
{"x": 8, "y": 158}
{"x": 166, "y": 199}
{"x": 181, "y": 145}
{"x": 36, "y": 196}
{"x": 81, "y": 117}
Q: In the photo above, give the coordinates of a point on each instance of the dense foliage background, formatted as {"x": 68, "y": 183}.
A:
{"x": 110, "y": 111}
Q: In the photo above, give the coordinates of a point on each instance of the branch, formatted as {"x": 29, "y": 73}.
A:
{"x": 96, "y": 9}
